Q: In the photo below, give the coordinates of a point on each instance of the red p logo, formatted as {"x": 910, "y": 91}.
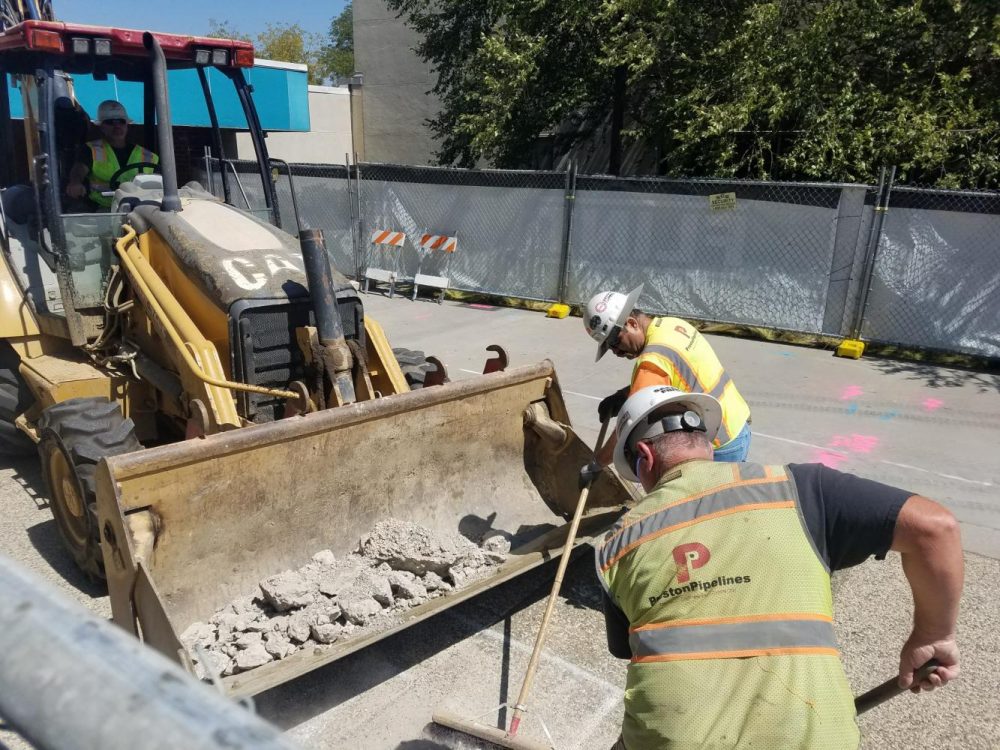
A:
{"x": 692, "y": 555}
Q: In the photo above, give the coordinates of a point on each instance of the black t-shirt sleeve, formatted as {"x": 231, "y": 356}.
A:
{"x": 616, "y": 626}
{"x": 849, "y": 518}
{"x": 85, "y": 157}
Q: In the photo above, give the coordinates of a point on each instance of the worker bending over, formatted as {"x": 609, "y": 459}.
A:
{"x": 667, "y": 351}
{"x": 717, "y": 586}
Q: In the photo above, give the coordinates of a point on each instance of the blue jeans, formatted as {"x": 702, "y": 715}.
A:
{"x": 735, "y": 450}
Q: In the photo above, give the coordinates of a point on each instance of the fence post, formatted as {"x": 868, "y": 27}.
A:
{"x": 567, "y": 233}
{"x": 360, "y": 218}
{"x": 354, "y": 230}
{"x": 874, "y": 240}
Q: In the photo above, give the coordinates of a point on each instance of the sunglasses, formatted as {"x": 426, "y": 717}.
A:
{"x": 115, "y": 121}
{"x": 614, "y": 338}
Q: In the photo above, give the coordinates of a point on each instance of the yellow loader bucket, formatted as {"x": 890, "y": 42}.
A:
{"x": 189, "y": 527}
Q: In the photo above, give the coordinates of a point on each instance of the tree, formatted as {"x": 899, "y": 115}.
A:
{"x": 336, "y": 58}
{"x": 780, "y": 89}
{"x": 279, "y": 41}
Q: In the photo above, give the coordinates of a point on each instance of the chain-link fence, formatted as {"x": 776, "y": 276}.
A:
{"x": 819, "y": 258}
{"x": 508, "y": 225}
{"x": 936, "y": 278}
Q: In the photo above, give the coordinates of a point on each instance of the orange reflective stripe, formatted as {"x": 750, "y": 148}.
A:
{"x": 782, "y": 651}
{"x": 382, "y": 236}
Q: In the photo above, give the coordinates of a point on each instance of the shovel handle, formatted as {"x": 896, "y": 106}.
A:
{"x": 890, "y": 688}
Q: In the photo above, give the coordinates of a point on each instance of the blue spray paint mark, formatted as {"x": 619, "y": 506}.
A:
{"x": 888, "y": 415}
{"x": 852, "y": 408}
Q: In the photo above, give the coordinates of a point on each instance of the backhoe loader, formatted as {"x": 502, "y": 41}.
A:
{"x": 209, "y": 401}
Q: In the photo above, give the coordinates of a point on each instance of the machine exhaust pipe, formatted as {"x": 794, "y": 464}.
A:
{"x": 164, "y": 125}
{"x": 337, "y": 359}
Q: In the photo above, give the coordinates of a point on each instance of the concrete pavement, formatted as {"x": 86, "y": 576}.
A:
{"x": 933, "y": 431}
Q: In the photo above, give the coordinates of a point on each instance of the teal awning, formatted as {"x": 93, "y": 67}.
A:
{"x": 281, "y": 95}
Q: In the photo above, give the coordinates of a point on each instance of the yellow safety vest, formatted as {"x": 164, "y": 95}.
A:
{"x": 105, "y": 164}
{"x": 677, "y": 348}
{"x": 731, "y": 616}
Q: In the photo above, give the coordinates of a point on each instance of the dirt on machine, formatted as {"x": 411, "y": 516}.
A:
{"x": 210, "y": 403}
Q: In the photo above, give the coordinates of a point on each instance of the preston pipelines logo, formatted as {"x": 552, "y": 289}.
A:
{"x": 688, "y": 557}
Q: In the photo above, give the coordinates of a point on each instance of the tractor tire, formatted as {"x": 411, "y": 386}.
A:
{"x": 75, "y": 435}
{"x": 14, "y": 399}
{"x": 414, "y": 366}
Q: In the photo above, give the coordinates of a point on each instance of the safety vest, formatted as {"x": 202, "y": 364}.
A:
{"x": 105, "y": 165}
{"x": 677, "y": 348}
{"x": 730, "y": 614}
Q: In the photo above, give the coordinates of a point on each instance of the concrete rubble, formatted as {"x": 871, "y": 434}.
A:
{"x": 399, "y": 565}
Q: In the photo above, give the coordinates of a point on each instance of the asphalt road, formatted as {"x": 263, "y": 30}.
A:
{"x": 931, "y": 430}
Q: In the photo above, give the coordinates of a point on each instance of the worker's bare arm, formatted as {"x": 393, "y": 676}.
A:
{"x": 927, "y": 537}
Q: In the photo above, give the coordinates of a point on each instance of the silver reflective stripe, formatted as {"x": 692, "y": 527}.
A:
{"x": 689, "y": 509}
{"x": 752, "y": 471}
{"x": 734, "y": 636}
{"x": 98, "y": 152}
{"x": 682, "y": 367}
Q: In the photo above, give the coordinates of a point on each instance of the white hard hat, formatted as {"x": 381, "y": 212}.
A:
{"x": 605, "y": 311}
{"x": 110, "y": 109}
{"x": 633, "y": 425}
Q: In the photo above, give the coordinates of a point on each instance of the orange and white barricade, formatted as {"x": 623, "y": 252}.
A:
{"x": 387, "y": 247}
{"x": 440, "y": 248}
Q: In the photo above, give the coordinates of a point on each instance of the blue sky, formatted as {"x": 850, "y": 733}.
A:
{"x": 192, "y": 16}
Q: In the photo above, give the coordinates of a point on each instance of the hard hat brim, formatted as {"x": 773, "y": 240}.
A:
{"x": 627, "y": 309}
{"x": 708, "y": 407}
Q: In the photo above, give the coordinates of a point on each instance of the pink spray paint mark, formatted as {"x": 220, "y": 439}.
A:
{"x": 478, "y": 306}
{"x": 855, "y": 443}
{"x": 930, "y": 404}
{"x": 851, "y": 391}
{"x": 828, "y": 458}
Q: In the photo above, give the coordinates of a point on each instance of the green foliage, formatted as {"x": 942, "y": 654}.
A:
{"x": 336, "y": 58}
{"x": 779, "y": 89}
{"x": 326, "y": 58}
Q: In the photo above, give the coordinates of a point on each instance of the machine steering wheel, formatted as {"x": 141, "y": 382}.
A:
{"x": 114, "y": 182}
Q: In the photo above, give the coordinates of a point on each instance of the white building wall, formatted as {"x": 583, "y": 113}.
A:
{"x": 326, "y": 143}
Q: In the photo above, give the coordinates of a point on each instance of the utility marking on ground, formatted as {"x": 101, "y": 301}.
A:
{"x": 931, "y": 404}
{"x": 798, "y": 442}
{"x": 855, "y": 443}
{"x": 937, "y": 473}
{"x": 851, "y": 391}
{"x": 852, "y": 408}
{"x": 613, "y": 703}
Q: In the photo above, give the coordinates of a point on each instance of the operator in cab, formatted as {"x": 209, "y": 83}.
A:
{"x": 99, "y": 168}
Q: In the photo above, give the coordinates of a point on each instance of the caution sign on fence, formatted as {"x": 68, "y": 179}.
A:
{"x": 388, "y": 237}
{"x": 722, "y": 201}
{"x": 439, "y": 242}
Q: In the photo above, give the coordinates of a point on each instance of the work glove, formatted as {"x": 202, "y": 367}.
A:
{"x": 589, "y": 473}
{"x": 610, "y": 406}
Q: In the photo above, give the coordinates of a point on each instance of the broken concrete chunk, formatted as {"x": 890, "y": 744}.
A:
{"x": 336, "y": 581}
{"x": 374, "y": 584}
{"x": 247, "y": 640}
{"x": 406, "y": 586}
{"x": 360, "y": 609}
{"x": 496, "y": 547}
{"x": 288, "y": 590}
{"x": 279, "y": 646}
{"x": 409, "y": 546}
{"x": 255, "y": 656}
{"x": 327, "y": 633}
{"x": 199, "y": 634}
{"x": 298, "y": 629}
{"x": 325, "y": 557}
{"x": 321, "y": 613}
{"x": 434, "y": 582}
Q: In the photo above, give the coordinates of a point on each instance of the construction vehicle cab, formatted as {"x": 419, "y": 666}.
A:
{"x": 209, "y": 401}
